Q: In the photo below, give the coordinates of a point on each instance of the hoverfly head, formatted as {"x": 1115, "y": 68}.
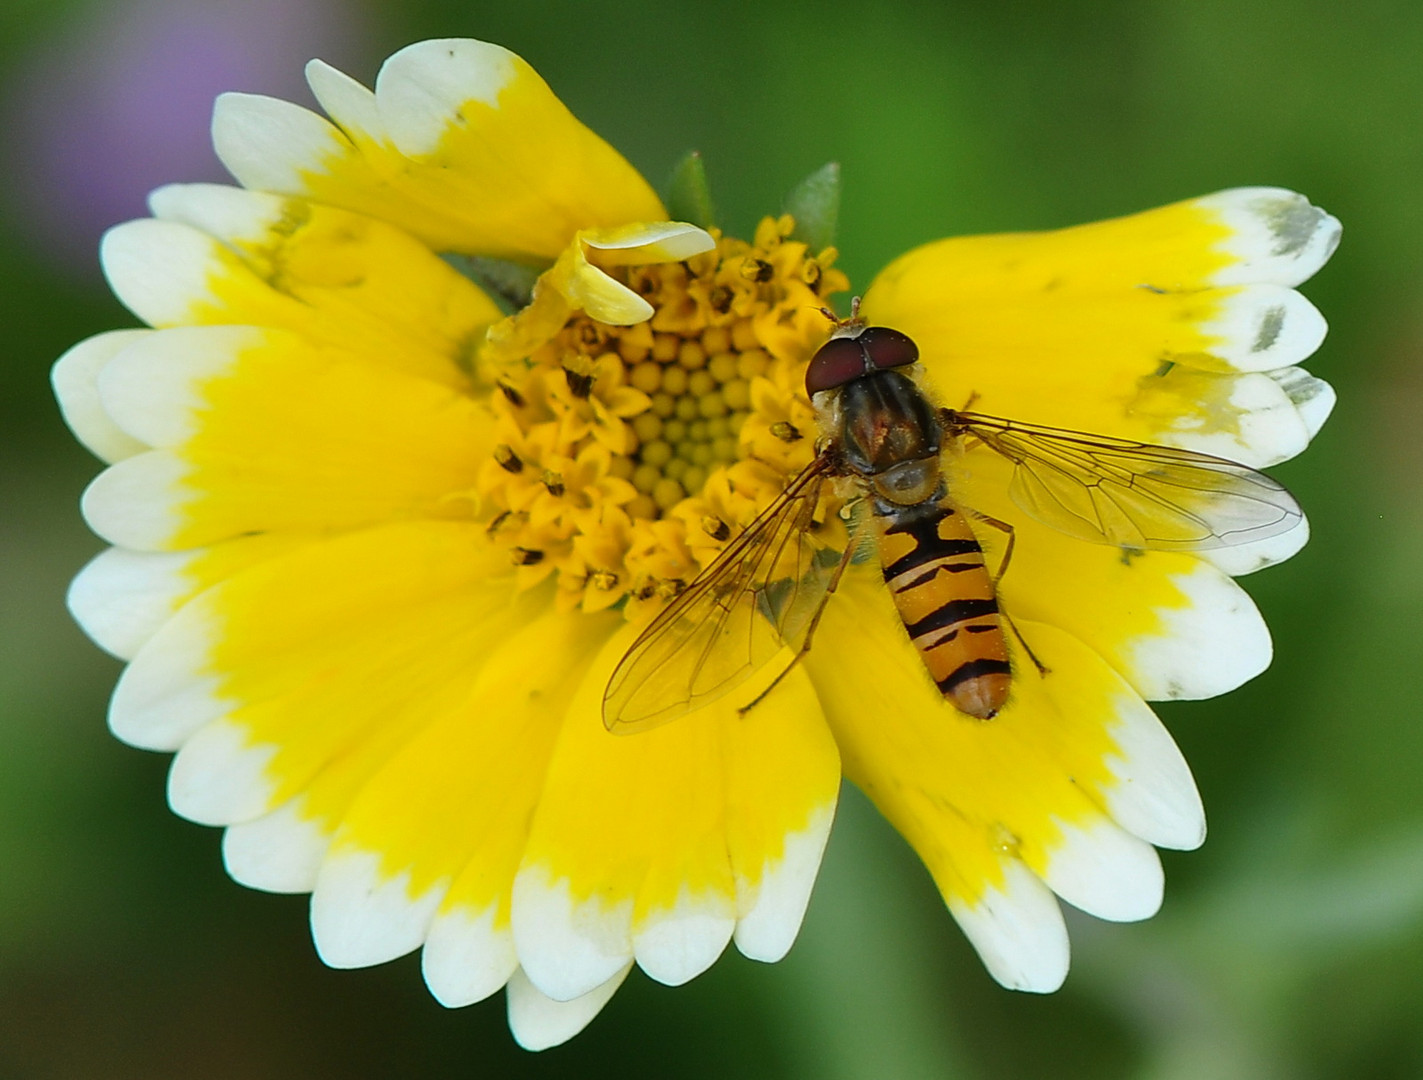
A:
{"x": 856, "y": 350}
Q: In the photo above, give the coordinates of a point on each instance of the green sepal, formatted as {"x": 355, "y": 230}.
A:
{"x": 688, "y": 193}
{"x": 509, "y": 284}
{"x": 815, "y": 205}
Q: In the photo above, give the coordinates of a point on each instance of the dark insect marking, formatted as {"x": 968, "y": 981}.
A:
{"x": 929, "y": 547}
{"x": 972, "y": 669}
{"x": 952, "y": 613}
{"x": 930, "y": 575}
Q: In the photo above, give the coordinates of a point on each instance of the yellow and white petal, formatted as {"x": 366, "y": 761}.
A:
{"x": 280, "y": 852}
{"x": 1151, "y": 793}
{"x": 1247, "y": 558}
{"x": 1211, "y": 642}
{"x": 1154, "y": 327}
{"x": 263, "y": 435}
{"x": 1273, "y": 236}
{"x": 1260, "y": 328}
{"x": 1246, "y": 418}
{"x": 250, "y": 644}
{"x": 272, "y": 145}
{"x": 351, "y": 105}
{"x": 362, "y": 915}
{"x": 447, "y": 814}
{"x": 1035, "y": 784}
{"x": 768, "y": 930}
{"x": 461, "y": 143}
{"x": 220, "y": 777}
{"x": 468, "y": 955}
{"x": 75, "y": 378}
{"x": 1016, "y": 927}
{"x": 654, "y": 846}
{"x": 1313, "y": 397}
{"x": 159, "y": 269}
{"x": 574, "y": 945}
{"x": 1105, "y": 871}
{"x": 234, "y": 257}
{"x": 539, "y": 1022}
{"x": 122, "y": 598}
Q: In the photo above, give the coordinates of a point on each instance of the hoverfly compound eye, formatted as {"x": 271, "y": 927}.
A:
{"x": 838, "y": 361}
{"x": 888, "y": 348}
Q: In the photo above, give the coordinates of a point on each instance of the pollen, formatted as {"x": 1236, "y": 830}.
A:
{"x": 628, "y": 456}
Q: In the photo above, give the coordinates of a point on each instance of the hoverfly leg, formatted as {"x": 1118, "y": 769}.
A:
{"x": 1003, "y": 526}
{"x": 809, "y": 633}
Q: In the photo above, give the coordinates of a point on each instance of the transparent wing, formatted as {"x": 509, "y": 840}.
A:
{"x": 1134, "y": 495}
{"x": 762, "y": 592}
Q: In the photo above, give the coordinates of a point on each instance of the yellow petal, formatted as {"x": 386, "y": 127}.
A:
{"x": 656, "y": 845}
{"x": 966, "y": 792}
{"x": 263, "y": 430}
{"x": 220, "y": 255}
{"x": 1151, "y": 327}
{"x": 462, "y": 143}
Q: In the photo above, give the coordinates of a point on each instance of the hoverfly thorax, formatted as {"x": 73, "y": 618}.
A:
{"x": 889, "y": 434}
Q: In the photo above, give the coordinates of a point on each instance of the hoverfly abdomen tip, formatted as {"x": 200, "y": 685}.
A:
{"x": 982, "y": 696}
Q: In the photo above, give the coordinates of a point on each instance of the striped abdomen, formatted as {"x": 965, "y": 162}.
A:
{"x": 934, "y": 567}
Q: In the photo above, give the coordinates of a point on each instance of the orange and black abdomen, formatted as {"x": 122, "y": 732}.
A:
{"x": 935, "y": 570}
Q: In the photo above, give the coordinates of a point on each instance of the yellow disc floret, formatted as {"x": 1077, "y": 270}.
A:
{"x": 628, "y": 456}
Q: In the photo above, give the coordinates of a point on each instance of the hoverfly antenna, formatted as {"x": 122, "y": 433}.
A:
{"x": 853, "y": 322}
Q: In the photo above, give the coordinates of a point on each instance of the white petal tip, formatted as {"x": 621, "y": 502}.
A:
{"x": 539, "y": 1022}
{"x": 1263, "y": 327}
{"x": 679, "y": 945}
{"x": 361, "y": 915}
{"x": 1105, "y": 871}
{"x": 122, "y": 598}
{"x": 1209, "y": 643}
{"x": 1277, "y": 238}
{"x": 567, "y": 949}
{"x": 75, "y": 378}
{"x": 1152, "y": 793}
{"x": 467, "y": 957}
{"x": 269, "y": 144}
{"x": 1017, "y": 929}
{"x": 278, "y": 853}
{"x": 421, "y": 89}
{"x": 219, "y": 778}
{"x": 1248, "y": 558}
{"x": 768, "y": 930}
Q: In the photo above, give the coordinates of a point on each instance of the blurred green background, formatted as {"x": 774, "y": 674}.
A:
{"x": 1290, "y": 946}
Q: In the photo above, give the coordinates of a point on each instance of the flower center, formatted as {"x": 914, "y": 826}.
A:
{"x": 627, "y": 456}
{"x": 700, "y": 397}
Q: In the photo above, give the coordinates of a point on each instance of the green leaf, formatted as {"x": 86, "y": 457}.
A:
{"x": 688, "y": 193}
{"x": 815, "y": 205}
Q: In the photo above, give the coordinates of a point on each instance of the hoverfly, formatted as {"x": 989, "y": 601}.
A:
{"x": 765, "y": 591}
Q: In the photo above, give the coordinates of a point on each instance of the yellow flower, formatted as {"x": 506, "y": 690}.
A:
{"x": 379, "y": 543}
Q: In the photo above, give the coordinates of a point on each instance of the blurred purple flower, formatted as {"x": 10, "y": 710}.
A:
{"x": 119, "y": 102}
